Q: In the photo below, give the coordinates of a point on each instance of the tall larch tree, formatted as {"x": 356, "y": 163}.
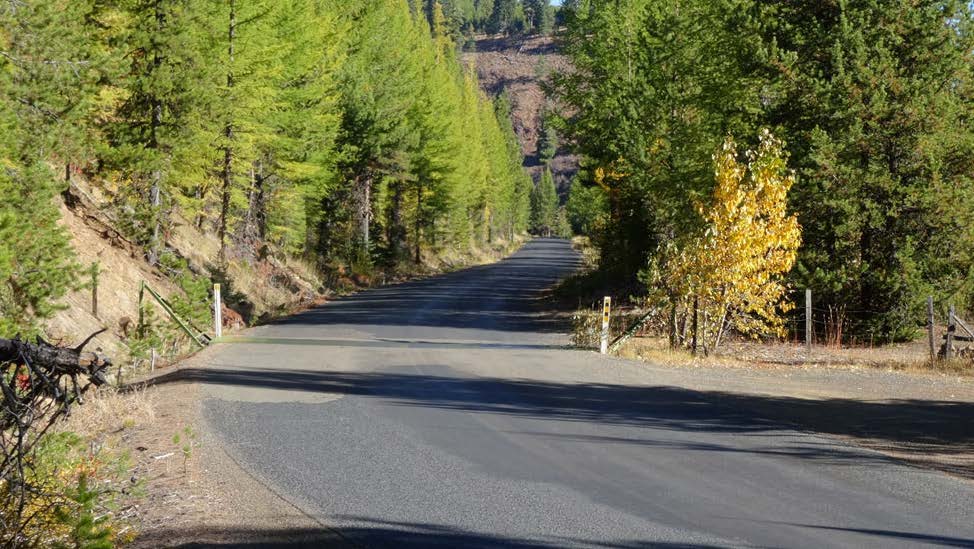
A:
{"x": 160, "y": 135}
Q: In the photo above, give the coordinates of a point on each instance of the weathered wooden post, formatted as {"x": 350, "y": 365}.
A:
{"x": 672, "y": 326}
{"x": 930, "y": 329}
{"x": 217, "y": 312}
{"x": 606, "y": 308}
{"x": 141, "y": 327}
{"x": 951, "y": 327}
{"x": 94, "y": 289}
{"x": 808, "y": 320}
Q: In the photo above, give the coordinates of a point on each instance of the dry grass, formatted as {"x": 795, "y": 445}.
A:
{"x": 110, "y": 411}
{"x": 590, "y": 253}
{"x": 658, "y": 351}
{"x": 452, "y": 259}
{"x": 911, "y": 357}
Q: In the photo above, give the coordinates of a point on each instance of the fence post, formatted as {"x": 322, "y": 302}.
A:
{"x": 696, "y": 313}
{"x": 951, "y": 327}
{"x": 808, "y": 319}
{"x": 94, "y": 289}
{"x": 606, "y": 308}
{"x": 217, "y": 312}
{"x": 930, "y": 329}
{"x": 141, "y": 327}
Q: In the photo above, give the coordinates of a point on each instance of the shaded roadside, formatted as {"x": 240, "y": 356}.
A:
{"x": 936, "y": 434}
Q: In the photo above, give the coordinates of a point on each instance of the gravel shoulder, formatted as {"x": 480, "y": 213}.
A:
{"x": 922, "y": 418}
{"x": 208, "y": 499}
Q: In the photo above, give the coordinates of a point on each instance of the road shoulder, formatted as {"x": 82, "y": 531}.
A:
{"x": 920, "y": 418}
{"x": 203, "y": 497}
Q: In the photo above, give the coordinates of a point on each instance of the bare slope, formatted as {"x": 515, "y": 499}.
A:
{"x": 519, "y": 66}
{"x": 257, "y": 287}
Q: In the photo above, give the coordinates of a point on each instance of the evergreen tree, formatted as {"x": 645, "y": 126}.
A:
{"x": 159, "y": 136}
{"x": 586, "y": 207}
{"x": 520, "y": 212}
{"x": 378, "y": 135}
{"x": 649, "y": 109}
{"x": 504, "y": 17}
{"x": 547, "y": 139}
{"x": 291, "y": 126}
{"x": 544, "y": 206}
{"x": 539, "y": 16}
{"x": 875, "y": 102}
{"x": 298, "y": 163}
{"x": 483, "y": 9}
{"x": 48, "y": 72}
{"x": 249, "y": 60}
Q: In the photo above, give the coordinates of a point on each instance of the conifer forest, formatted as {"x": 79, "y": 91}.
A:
{"x": 343, "y": 132}
{"x": 352, "y": 133}
{"x": 401, "y": 212}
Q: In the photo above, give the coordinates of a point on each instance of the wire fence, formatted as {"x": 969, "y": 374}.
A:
{"x": 814, "y": 325}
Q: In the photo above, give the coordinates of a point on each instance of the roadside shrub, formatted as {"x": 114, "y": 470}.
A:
{"x": 70, "y": 496}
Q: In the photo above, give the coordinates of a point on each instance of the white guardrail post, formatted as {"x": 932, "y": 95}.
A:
{"x": 217, "y": 312}
{"x": 606, "y": 307}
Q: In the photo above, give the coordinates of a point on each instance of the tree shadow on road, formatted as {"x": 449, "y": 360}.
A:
{"x": 402, "y": 535}
{"x": 399, "y": 535}
{"x": 932, "y": 433}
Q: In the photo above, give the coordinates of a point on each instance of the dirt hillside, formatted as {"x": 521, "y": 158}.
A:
{"x": 252, "y": 289}
{"x": 519, "y": 65}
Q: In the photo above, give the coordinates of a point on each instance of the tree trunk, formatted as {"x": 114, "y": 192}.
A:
{"x": 365, "y": 208}
{"x": 419, "y": 217}
{"x": 672, "y": 326}
{"x": 252, "y": 232}
{"x": 260, "y": 215}
{"x": 397, "y": 232}
{"x": 55, "y": 360}
{"x": 490, "y": 225}
{"x": 228, "y": 134}
{"x": 155, "y": 190}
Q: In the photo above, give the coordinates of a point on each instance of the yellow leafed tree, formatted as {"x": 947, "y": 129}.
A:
{"x": 734, "y": 268}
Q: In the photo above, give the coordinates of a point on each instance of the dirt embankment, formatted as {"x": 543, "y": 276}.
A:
{"x": 519, "y": 66}
{"x": 253, "y": 288}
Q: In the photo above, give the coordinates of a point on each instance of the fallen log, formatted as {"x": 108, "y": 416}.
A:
{"x": 38, "y": 379}
{"x": 57, "y": 361}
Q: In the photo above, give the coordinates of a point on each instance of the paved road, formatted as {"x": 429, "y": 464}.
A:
{"x": 445, "y": 413}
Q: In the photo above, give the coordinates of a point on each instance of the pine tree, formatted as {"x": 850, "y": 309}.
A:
{"x": 648, "y": 110}
{"x": 160, "y": 133}
{"x": 544, "y": 206}
{"x": 503, "y": 18}
{"x": 519, "y": 217}
{"x": 874, "y": 99}
{"x": 379, "y": 134}
{"x": 539, "y": 16}
{"x": 298, "y": 163}
{"x": 48, "y": 73}
{"x": 586, "y": 207}
{"x": 547, "y": 139}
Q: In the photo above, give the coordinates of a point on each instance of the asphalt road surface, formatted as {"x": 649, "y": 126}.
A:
{"x": 447, "y": 412}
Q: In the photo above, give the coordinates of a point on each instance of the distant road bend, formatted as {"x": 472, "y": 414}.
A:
{"x": 447, "y": 412}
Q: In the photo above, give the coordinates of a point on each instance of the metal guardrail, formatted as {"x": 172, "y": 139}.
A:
{"x": 194, "y": 333}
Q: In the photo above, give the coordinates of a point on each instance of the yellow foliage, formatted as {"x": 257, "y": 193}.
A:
{"x": 606, "y": 176}
{"x": 735, "y": 266}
